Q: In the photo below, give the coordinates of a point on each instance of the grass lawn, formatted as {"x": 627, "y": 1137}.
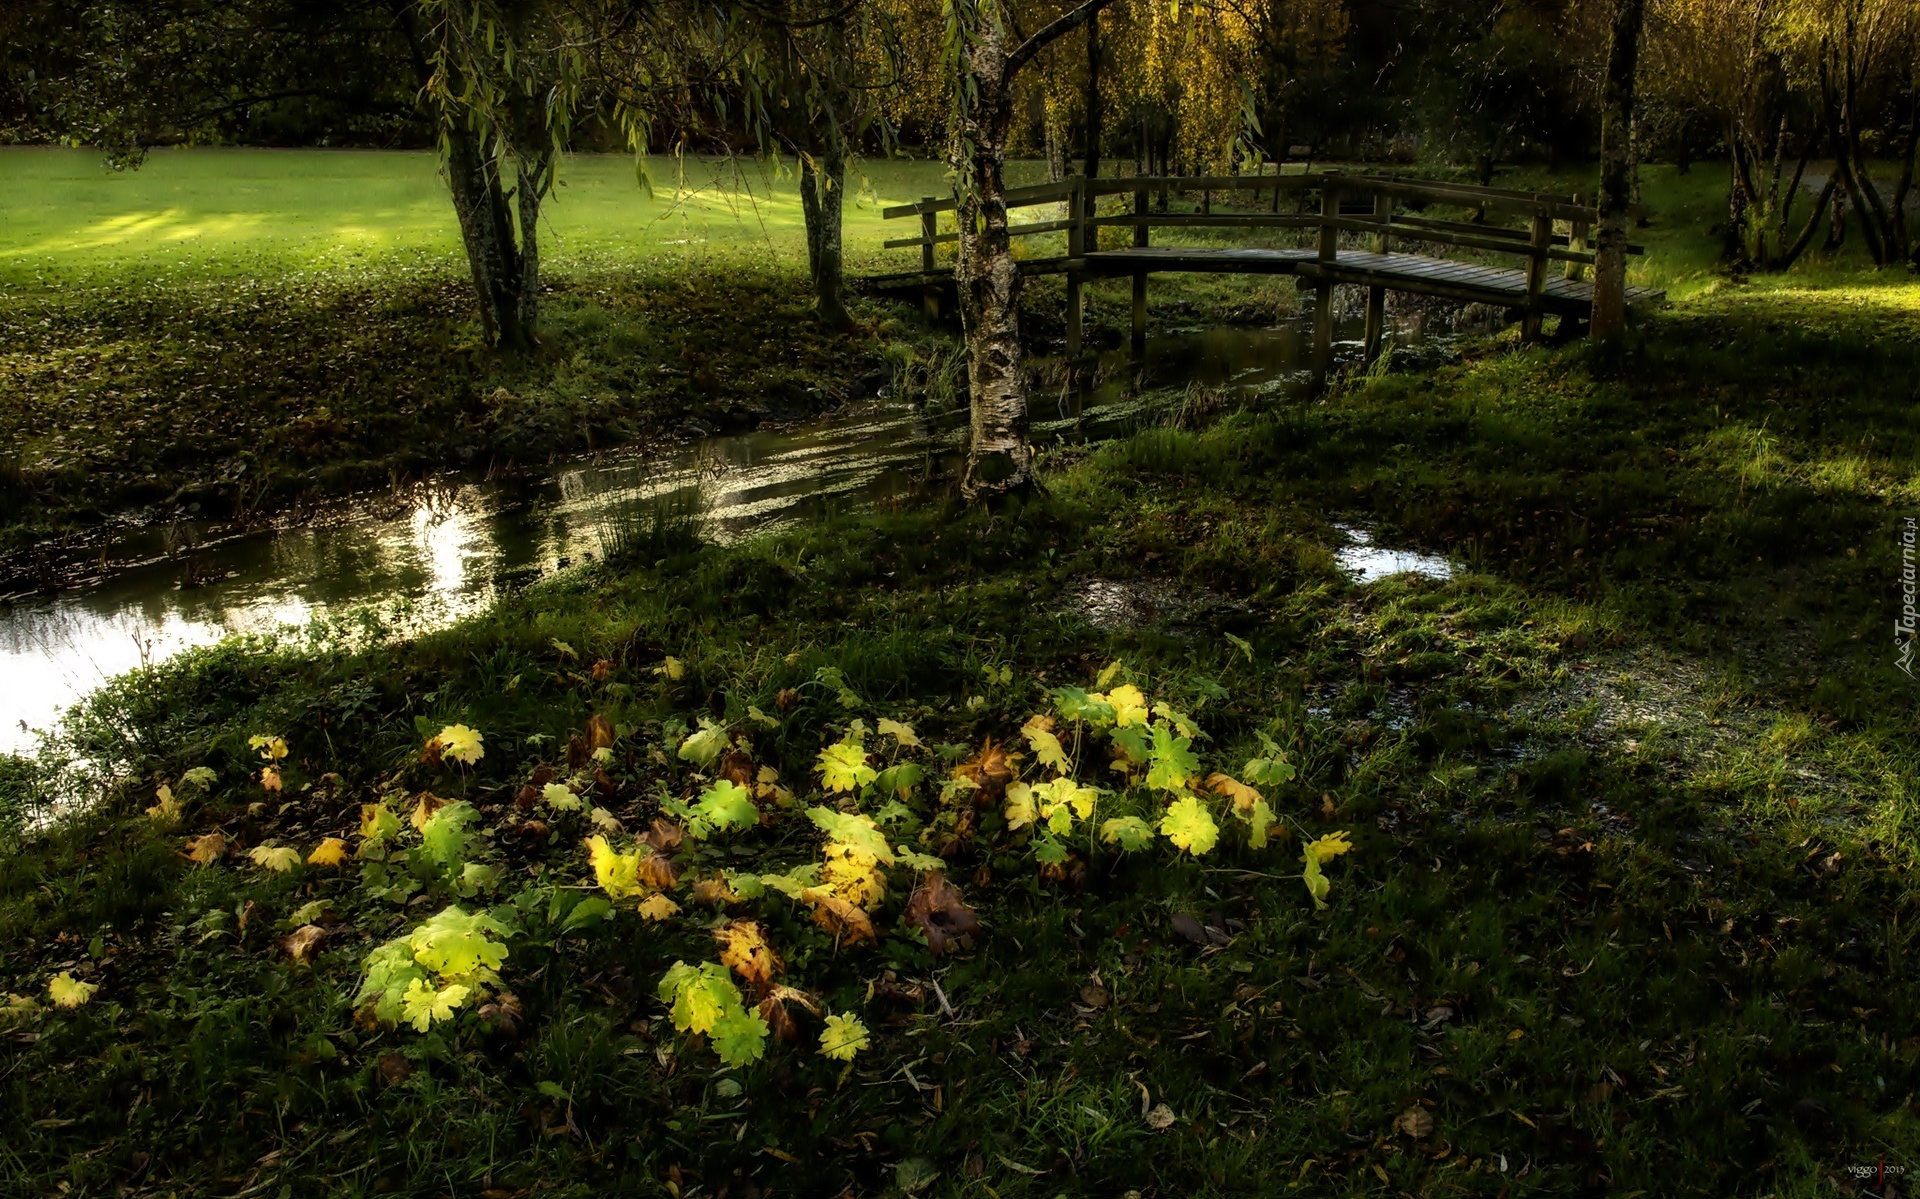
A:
{"x": 225, "y": 332}
{"x": 1632, "y": 799}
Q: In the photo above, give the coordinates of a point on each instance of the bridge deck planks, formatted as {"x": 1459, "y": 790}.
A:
{"x": 1445, "y": 278}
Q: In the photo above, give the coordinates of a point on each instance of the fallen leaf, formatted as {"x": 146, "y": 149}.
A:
{"x": 599, "y": 733}
{"x": 937, "y": 909}
{"x": 302, "y": 942}
{"x": 744, "y": 950}
{"x": 330, "y": 852}
{"x": 502, "y": 1014}
{"x": 665, "y": 835}
{"x": 277, "y": 858}
{"x": 67, "y": 991}
{"x": 658, "y": 907}
{"x": 773, "y": 1010}
{"x": 659, "y": 872}
{"x": 424, "y": 809}
{"x": 737, "y": 768}
{"x": 1160, "y": 1117}
{"x": 1189, "y": 928}
{"x": 1415, "y": 1122}
{"x": 841, "y": 918}
{"x": 1243, "y": 796}
{"x": 394, "y": 1067}
{"x": 207, "y": 849}
{"x": 990, "y": 772}
{"x": 602, "y": 669}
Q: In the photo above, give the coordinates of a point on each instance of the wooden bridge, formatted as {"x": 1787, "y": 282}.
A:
{"x": 1379, "y": 209}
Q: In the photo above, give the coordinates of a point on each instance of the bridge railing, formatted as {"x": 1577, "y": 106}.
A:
{"x": 1371, "y": 204}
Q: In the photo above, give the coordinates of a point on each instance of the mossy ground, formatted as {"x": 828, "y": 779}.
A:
{"x": 1632, "y": 796}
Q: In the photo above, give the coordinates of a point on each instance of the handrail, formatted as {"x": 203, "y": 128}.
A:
{"x": 1433, "y": 191}
{"x": 1349, "y": 202}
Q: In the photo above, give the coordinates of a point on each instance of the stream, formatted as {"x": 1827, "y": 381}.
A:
{"x": 451, "y": 548}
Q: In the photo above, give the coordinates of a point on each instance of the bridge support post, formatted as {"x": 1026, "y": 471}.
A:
{"x": 1323, "y": 288}
{"x": 1139, "y": 277}
{"x": 929, "y": 229}
{"x": 1577, "y": 242}
{"x": 1537, "y": 275}
{"x": 1377, "y": 295}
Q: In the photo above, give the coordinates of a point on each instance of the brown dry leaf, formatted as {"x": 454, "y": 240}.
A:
{"x": 937, "y": 908}
{"x": 1160, "y": 1117}
{"x": 247, "y": 910}
{"x": 424, "y": 809}
{"x": 599, "y": 734}
{"x": 659, "y": 872}
{"x": 841, "y": 918}
{"x": 1243, "y": 796}
{"x": 990, "y": 773}
{"x": 1189, "y": 928}
{"x": 787, "y": 698}
{"x": 714, "y": 892}
{"x": 737, "y": 768}
{"x": 665, "y": 835}
{"x": 603, "y": 784}
{"x": 602, "y": 669}
{"x": 394, "y": 1067}
{"x": 430, "y": 753}
{"x": 303, "y": 941}
{"x": 208, "y": 849}
{"x": 1415, "y": 1122}
{"x": 773, "y": 1010}
{"x": 502, "y": 1013}
{"x": 270, "y": 778}
{"x": 744, "y": 950}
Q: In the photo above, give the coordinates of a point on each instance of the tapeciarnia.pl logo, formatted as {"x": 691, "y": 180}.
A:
{"x": 1903, "y": 628}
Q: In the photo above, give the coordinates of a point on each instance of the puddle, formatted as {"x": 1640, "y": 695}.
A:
{"x": 1369, "y": 563}
{"x": 453, "y": 548}
{"x": 1115, "y": 604}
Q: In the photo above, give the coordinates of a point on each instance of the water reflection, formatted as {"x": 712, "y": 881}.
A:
{"x": 452, "y": 549}
{"x": 1369, "y": 563}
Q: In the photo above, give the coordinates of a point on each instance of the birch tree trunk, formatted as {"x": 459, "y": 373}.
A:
{"x": 1610, "y": 242}
{"x": 999, "y": 458}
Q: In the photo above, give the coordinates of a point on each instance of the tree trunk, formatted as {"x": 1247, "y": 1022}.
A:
{"x": 999, "y": 459}
{"x": 822, "y": 184}
{"x": 528, "y": 188}
{"x": 486, "y": 229}
{"x": 1095, "y": 126}
{"x": 1610, "y": 241}
{"x": 1791, "y": 251}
